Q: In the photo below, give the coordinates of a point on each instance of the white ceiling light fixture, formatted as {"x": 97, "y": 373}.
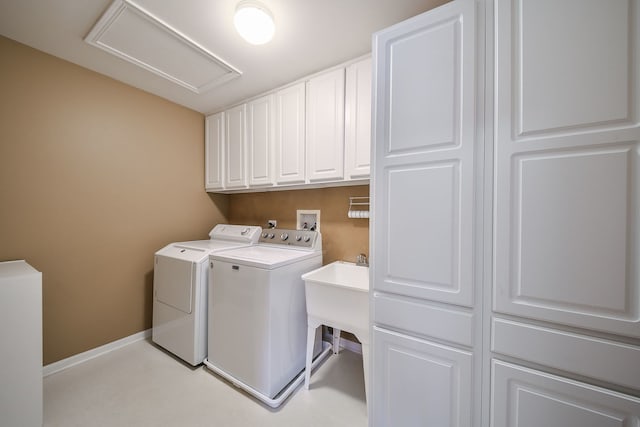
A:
{"x": 254, "y": 22}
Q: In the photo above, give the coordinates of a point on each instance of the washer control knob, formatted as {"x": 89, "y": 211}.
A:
{"x": 244, "y": 231}
{"x": 265, "y": 235}
{"x": 298, "y": 237}
{"x": 284, "y": 236}
{"x": 271, "y": 235}
{"x": 307, "y": 239}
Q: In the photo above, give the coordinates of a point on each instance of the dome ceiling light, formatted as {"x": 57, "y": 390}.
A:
{"x": 254, "y": 22}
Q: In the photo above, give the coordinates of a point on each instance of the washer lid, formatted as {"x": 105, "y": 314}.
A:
{"x": 260, "y": 256}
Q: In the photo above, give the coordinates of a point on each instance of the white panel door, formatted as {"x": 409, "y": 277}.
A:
{"x": 260, "y": 150}
{"x": 357, "y": 142}
{"x": 424, "y": 221}
{"x": 214, "y": 152}
{"x": 425, "y": 142}
{"x": 289, "y": 129}
{"x": 325, "y": 126}
{"x": 567, "y": 161}
{"x": 235, "y": 176}
{"x": 419, "y": 383}
{"x": 528, "y": 398}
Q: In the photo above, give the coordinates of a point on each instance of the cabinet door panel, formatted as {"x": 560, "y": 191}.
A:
{"x": 425, "y": 148}
{"x": 528, "y": 398}
{"x": 566, "y": 351}
{"x": 290, "y": 125}
{"x": 214, "y": 152}
{"x": 325, "y": 126}
{"x": 358, "y": 120}
{"x": 260, "y": 141}
{"x": 567, "y": 158}
{"x": 419, "y": 383}
{"x": 235, "y": 147}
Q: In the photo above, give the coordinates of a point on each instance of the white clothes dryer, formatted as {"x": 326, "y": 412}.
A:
{"x": 257, "y": 313}
{"x": 180, "y": 282}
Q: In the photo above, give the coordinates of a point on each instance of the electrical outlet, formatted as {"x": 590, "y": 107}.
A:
{"x": 272, "y": 223}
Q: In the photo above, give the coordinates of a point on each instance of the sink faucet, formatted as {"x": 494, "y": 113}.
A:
{"x": 362, "y": 260}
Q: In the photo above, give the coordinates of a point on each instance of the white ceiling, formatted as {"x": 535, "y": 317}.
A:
{"x": 310, "y": 35}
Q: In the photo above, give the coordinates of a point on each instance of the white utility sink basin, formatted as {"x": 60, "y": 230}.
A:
{"x": 338, "y": 296}
{"x": 339, "y": 292}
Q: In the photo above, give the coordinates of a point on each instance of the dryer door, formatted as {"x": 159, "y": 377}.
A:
{"x": 173, "y": 281}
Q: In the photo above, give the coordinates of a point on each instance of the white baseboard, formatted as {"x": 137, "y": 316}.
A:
{"x": 345, "y": 343}
{"x": 63, "y": 364}
{"x": 350, "y": 345}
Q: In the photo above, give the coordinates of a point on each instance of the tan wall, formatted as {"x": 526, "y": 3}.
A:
{"x": 95, "y": 176}
{"x": 343, "y": 238}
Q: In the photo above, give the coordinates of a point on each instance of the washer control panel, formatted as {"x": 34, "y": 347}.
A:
{"x": 298, "y": 238}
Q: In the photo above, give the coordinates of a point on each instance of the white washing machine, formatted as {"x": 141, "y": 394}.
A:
{"x": 257, "y": 313}
{"x": 180, "y": 283}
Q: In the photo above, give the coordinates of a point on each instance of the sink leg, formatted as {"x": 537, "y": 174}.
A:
{"x": 311, "y": 337}
{"x": 365, "y": 365}
{"x": 336, "y": 340}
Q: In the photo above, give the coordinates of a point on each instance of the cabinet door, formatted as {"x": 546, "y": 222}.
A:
{"x": 289, "y": 131}
{"x": 235, "y": 147}
{"x": 260, "y": 150}
{"x": 325, "y": 126}
{"x": 420, "y": 383}
{"x": 357, "y": 142}
{"x": 425, "y": 156}
{"x": 528, "y": 398}
{"x": 426, "y": 170}
{"x": 567, "y": 188}
{"x": 214, "y": 152}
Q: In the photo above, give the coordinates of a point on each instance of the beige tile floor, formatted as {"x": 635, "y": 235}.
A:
{"x": 142, "y": 385}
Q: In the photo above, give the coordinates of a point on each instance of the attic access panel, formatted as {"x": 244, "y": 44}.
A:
{"x": 128, "y": 31}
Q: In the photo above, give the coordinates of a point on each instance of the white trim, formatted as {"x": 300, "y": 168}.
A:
{"x": 284, "y": 393}
{"x": 63, "y": 364}
{"x": 352, "y": 346}
{"x": 345, "y": 343}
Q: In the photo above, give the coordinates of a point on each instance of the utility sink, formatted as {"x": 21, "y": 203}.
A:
{"x": 338, "y": 296}
{"x": 339, "y": 293}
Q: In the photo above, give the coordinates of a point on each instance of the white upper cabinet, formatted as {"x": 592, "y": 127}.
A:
{"x": 313, "y": 133}
{"x": 214, "y": 152}
{"x": 325, "y": 126}
{"x": 260, "y": 137}
{"x": 358, "y": 120}
{"x": 235, "y": 176}
{"x": 289, "y": 131}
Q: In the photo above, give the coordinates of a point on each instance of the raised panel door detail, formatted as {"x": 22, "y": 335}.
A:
{"x": 214, "y": 152}
{"x": 572, "y": 242}
{"x": 235, "y": 147}
{"x": 419, "y": 383}
{"x": 423, "y": 204}
{"x": 575, "y": 58}
{"x": 425, "y": 77}
{"x": 358, "y": 120}
{"x": 525, "y": 397}
{"x": 551, "y": 66}
{"x": 260, "y": 141}
{"x": 325, "y": 126}
{"x": 290, "y": 134}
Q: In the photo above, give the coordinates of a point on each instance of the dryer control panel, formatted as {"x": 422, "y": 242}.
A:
{"x": 296, "y": 238}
